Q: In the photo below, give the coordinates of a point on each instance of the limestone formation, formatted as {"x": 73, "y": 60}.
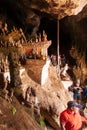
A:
{"x": 49, "y": 100}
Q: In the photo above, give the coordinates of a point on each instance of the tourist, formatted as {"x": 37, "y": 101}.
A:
{"x": 63, "y": 60}
{"x": 53, "y": 60}
{"x": 85, "y": 92}
{"x": 77, "y": 93}
{"x": 70, "y": 118}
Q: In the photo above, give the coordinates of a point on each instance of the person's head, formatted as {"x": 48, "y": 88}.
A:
{"x": 74, "y": 106}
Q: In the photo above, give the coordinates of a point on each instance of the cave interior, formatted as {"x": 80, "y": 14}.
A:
{"x": 72, "y": 29}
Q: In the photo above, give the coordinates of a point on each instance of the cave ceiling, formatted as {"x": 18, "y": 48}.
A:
{"x": 29, "y": 12}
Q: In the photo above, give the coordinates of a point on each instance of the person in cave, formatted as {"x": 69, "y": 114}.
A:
{"x": 53, "y": 60}
{"x": 63, "y": 60}
{"x": 77, "y": 93}
{"x": 85, "y": 92}
{"x": 71, "y": 119}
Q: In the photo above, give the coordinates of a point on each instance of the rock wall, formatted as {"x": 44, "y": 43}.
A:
{"x": 52, "y": 97}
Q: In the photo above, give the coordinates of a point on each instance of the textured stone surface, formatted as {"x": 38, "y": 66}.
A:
{"x": 28, "y": 13}
{"x": 53, "y": 97}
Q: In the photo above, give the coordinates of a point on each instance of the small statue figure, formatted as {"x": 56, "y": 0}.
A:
{"x": 14, "y": 29}
{"x": 6, "y": 28}
{"x": 5, "y": 89}
{"x": 11, "y": 95}
{"x": 6, "y": 83}
{"x": 22, "y": 35}
{"x": 44, "y": 36}
{"x": 28, "y": 93}
{"x": 0, "y": 24}
{"x": 11, "y": 41}
{"x": 64, "y": 74}
{"x": 36, "y": 38}
{"x": 34, "y": 52}
{"x": 39, "y": 37}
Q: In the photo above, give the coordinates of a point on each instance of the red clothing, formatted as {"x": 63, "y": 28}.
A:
{"x": 73, "y": 121}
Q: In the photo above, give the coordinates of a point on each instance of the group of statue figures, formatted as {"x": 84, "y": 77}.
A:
{"x": 16, "y": 37}
{"x": 12, "y": 38}
{"x": 7, "y": 92}
{"x": 3, "y": 28}
{"x": 4, "y": 64}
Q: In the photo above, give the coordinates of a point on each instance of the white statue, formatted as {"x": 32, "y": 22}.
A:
{"x": 45, "y": 72}
{"x": 64, "y": 72}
